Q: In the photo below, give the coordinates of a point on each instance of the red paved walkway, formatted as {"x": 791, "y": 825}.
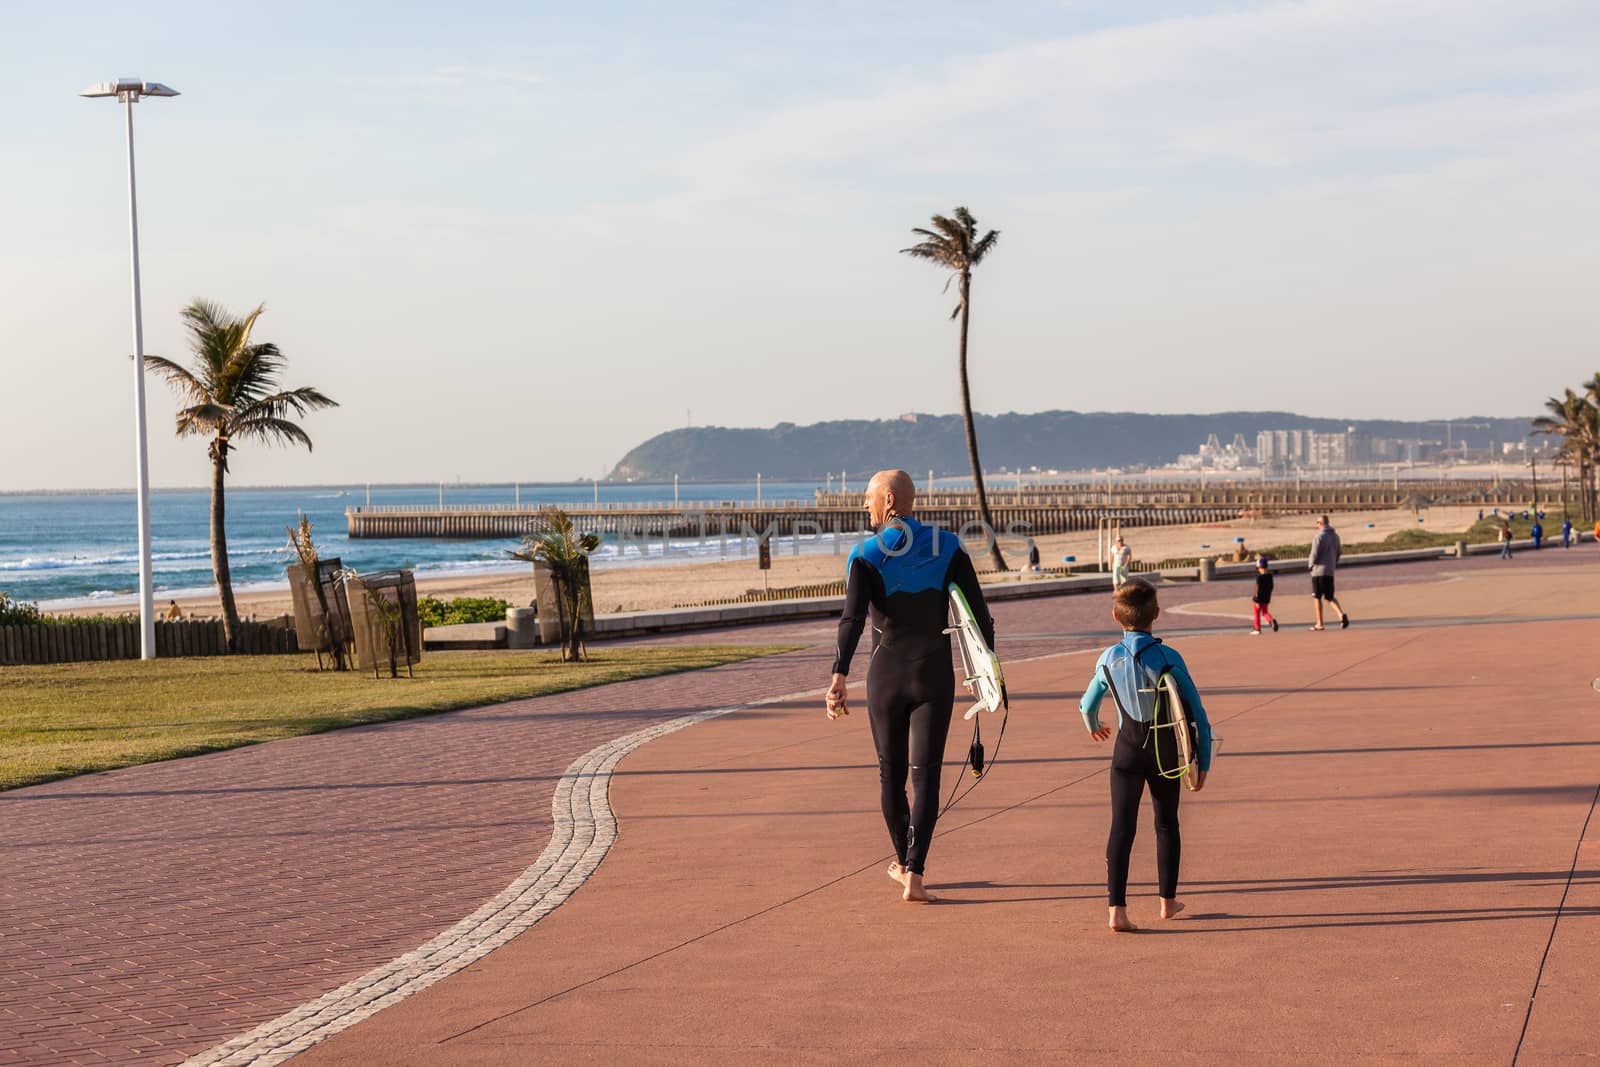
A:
{"x": 1374, "y": 873}
{"x": 151, "y": 913}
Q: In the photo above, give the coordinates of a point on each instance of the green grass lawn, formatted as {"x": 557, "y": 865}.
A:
{"x": 74, "y": 718}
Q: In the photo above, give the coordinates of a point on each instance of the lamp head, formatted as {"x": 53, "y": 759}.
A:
{"x": 129, "y": 88}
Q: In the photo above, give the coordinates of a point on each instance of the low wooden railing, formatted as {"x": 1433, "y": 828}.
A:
{"x": 77, "y": 642}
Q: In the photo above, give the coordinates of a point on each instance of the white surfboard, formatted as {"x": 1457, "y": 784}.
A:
{"x": 981, "y": 667}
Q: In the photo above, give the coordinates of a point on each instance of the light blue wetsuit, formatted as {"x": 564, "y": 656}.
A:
{"x": 1139, "y": 759}
{"x": 1134, "y": 664}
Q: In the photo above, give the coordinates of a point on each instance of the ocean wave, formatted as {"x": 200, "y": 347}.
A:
{"x": 60, "y": 563}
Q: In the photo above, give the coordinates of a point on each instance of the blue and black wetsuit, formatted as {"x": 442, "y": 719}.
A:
{"x": 900, "y": 579}
{"x": 1129, "y": 671}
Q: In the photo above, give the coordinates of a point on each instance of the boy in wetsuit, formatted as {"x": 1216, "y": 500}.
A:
{"x": 1129, "y": 671}
{"x": 1261, "y": 603}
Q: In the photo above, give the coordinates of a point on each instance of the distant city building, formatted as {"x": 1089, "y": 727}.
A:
{"x": 1284, "y": 450}
{"x": 1214, "y": 455}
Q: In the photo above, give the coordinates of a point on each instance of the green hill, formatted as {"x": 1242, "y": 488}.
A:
{"x": 1062, "y": 440}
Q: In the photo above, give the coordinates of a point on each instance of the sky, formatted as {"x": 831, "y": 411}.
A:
{"x": 514, "y": 240}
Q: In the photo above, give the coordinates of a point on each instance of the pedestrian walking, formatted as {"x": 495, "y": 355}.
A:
{"x": 1261, "y": 603}
{"x": 1121, "y": 560}
{"x": 1324, "y": 561}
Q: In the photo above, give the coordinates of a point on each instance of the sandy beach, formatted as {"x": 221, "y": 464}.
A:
{"x": 651, "y": 587}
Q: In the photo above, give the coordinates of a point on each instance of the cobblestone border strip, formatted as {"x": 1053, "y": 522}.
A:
{"x": 584, "y": 829}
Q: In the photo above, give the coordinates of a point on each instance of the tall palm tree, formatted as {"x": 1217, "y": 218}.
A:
{"x": 231, "y": 395}
{"x": 954, "y": 244}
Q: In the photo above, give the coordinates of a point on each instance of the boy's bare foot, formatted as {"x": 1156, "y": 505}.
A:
{"x": 1120, "y": 923}
{"x": 898, "y": 873}
{"x": 1171, "y": 909}
{"x": 914, "y": 893}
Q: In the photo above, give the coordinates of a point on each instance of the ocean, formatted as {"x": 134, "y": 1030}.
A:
{"x": 64, "y": 550}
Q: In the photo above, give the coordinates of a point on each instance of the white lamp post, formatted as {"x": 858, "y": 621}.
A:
{"x": 128, "y": 91}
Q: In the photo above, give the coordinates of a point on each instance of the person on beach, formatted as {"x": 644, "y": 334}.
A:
{"x": 1121, "y": 560}
{"x": 1129, "y": 670}
{"x": 1261, "y": 603}
{"x": 1033, "y": 556}
{"x": 1537, "y": 533}
{"x": 1505, "y": 540}
{"x": 1324, "y": 561}
{"x": 174, "y": 612}
{"x": 900, "y": 579}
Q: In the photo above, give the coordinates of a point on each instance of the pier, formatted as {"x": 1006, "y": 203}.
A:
{"x": 1036, "y": 509}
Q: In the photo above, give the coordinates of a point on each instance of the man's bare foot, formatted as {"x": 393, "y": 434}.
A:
{"x": 898, "y": 873}
{"x": 1170, "y": 909}
{"x": 914, "y": 893}
{"x": 1120, "y": 923}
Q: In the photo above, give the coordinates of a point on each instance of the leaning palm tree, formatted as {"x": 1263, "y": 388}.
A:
{"x": 954, "y": 244}
{"x": 555, "y": 541}
{"x": 231, "y": 395}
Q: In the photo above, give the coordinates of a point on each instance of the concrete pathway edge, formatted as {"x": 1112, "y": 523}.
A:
{"x": 584, "y": 829}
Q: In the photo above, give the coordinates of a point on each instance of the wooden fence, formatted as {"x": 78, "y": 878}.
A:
{"x": 760, "y": 596}
{"x": 76, "y": 642}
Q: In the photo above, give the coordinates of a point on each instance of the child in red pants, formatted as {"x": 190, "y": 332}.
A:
{"x": 1261, "y": 602}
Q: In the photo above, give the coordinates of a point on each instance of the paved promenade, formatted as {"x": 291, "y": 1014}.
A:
{"x": 1392, "y": 897}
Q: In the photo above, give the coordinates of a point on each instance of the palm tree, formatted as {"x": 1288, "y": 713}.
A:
{"x": 231, "y": 395}
{"x": 1576, "y": 420}
{"x": 954, "y": 244}
{"x": 556, "y": 541}
{"x": 1591, "y": 434}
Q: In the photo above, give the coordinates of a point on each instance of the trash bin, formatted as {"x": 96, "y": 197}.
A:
{"x": 1461, "y": 550}
{"x": 1208, "y": 569}
{"x": 522, "y": 627}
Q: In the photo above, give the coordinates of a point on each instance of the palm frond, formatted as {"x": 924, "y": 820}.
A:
{"x": 289, "y": 402}
{"x": 270, "y": 431}
{"x": 203, "y": 418}
{"x": 178, "y": 376}
{"x": 982, "y": 248}
{"x": 937, "y": 251}
{"x": 953, "y": 231}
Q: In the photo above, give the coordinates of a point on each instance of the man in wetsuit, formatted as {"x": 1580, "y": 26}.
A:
{"x": 900, "y": 578}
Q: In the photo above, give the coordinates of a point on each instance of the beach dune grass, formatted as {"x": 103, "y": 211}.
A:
{"x": 75, "y": 718}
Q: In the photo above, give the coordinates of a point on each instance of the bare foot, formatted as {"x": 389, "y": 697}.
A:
{"x": 1170, "y": 909}
{"x": 914, "y": 893}
{"x": 1120, "y": 923}
{"x": 898, "y": 873}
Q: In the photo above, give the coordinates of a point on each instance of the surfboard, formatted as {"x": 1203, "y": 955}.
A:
{"x": 979, "y": 665}
{"x": 1184, "y": 731}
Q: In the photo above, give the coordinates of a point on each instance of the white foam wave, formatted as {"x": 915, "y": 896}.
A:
{"x": 120, "y": 559}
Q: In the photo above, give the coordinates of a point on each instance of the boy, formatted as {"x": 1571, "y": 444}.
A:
{"x": 1130, "y": 670}
{"x": 1260, "y": 603}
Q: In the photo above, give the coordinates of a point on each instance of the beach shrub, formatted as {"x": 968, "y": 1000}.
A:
{"x": 18, "y": 612}
{"x": 432, "y": 611}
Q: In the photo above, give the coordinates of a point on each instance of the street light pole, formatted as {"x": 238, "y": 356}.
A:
{"x": 128, "y": 92}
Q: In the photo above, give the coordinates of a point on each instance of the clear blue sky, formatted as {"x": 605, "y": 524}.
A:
{"x": 515, "y": 241}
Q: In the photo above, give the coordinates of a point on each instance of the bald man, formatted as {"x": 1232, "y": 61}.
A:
{"x": 900, "y": 578}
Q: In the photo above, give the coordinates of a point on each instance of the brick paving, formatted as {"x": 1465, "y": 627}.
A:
{"x": 151, "y": 913}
